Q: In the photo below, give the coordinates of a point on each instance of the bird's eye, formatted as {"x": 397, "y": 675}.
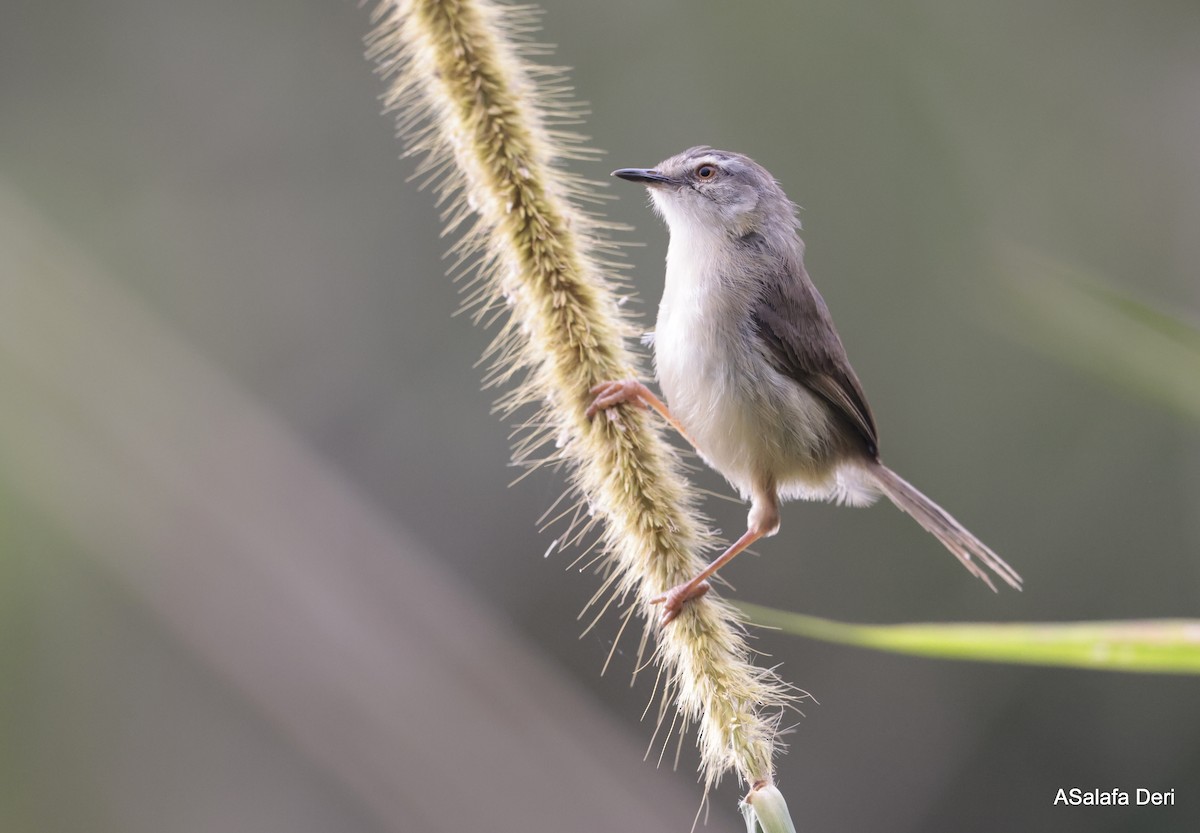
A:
{"x": 706, "y": 172}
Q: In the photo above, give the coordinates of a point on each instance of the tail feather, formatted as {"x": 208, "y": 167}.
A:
{"x": 937, "y": 521}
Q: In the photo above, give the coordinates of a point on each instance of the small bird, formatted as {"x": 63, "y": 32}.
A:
{"x": 753, "y": 370}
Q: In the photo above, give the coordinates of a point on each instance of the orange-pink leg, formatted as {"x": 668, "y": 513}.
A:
{"x": 610, "y": 394}
{"x": 675, "y": 598}
{"x": 764, "y": 514}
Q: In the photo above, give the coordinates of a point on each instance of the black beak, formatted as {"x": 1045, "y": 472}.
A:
{"x": 646, "y": 176}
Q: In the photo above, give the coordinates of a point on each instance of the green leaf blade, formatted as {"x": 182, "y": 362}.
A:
{"x": 1164, "y": 646}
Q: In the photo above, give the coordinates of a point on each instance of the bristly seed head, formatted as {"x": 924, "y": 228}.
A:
{"x": 487, "y": 122}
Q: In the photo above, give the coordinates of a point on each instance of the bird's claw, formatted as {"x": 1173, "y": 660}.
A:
{"x": 675, "y": 598}
{"x": 613, "y": 393}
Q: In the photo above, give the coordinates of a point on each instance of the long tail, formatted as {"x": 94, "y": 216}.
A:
{"x": 937, "y": 521}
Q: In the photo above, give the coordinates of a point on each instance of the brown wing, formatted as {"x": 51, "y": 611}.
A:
{"x": 797, "y": 331}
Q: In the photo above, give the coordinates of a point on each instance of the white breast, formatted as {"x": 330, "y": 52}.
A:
{"x": 695, "y": 350}
{"x": 745, "y": 418}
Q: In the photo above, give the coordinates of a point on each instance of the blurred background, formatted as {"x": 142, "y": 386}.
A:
{"x": 260, "y": 568}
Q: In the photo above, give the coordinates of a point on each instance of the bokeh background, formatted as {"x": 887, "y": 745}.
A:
{"x": 260, "y": 568}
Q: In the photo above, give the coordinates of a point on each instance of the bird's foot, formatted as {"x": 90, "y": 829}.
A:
{"x": 611, "y": 394}
{"x": 675, "y": 598}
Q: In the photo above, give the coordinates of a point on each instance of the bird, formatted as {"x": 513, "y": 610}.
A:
{"x": 754, "y": 373}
